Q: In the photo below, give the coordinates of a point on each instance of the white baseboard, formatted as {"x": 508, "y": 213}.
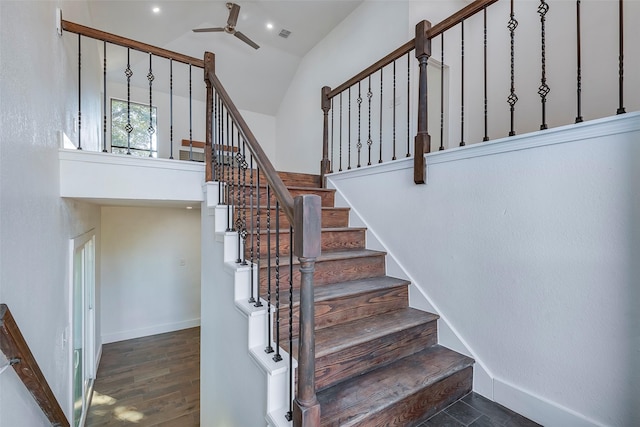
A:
{"x": 151, "y": 330}
{"x": 538, "y": 409}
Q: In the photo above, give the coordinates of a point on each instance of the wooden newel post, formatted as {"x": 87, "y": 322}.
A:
{"x": 422, "y": 142}
{"x": 307, "y": 216}
{"x": 209, "y": 67}
{"x": 325, "y": 163}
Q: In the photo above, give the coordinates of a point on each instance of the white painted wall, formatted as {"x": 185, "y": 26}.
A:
{"x": 38, "y": 100}
{"x": 150, "y": 271}
{"x": 373, "y": 30}
{"x": 529, "y": 255}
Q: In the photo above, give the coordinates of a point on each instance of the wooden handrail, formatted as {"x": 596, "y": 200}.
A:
{"x": 129, "y": 43}
{"x": 274, "y": 180}
{"x": 16, "y": 349}
{"x": 453, "y": 20}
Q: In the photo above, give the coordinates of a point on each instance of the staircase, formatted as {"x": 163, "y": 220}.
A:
{"x": 377, "y": 360}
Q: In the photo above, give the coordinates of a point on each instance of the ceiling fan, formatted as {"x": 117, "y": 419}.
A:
{"x": 230, "y": 28}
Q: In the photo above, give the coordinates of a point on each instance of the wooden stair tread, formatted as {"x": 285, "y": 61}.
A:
{"x": 331, "y": 256}
{"x": 348, "y": 334}
{"x": 350, "y": 402}
{"x": 346, "y": 289}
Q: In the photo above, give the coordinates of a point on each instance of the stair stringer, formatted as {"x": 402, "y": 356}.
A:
{"x": 448, "y": 336}
{"x": 275, "y": 375}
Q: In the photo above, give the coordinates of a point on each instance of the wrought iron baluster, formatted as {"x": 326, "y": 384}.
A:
{"x": 486, "y": 102}
{"x": 79, "y": 92}
{"x": 408, "y": 104}
{"x": 462, "y": 144}
{"x": 359, "y": 144}
{"x": 243, "y": 210}
{"x": 381, "y": 88}
{"x": 269, "y": 348}
{"x": 441, "y": 92}
{"x": 369, "y": 140}
{"x": 544, "y": 89}
{"x": 340, "y": 136}
{"x": 104, "y": 97}
{"x": 257, "y": 233}
{"x": 128, "y": 127}
{"x": 289, "y": 415}
{"x": 171, "y": 110}
{"x": 190, "y": 118}
{"x": 579, "y": 60}
{"x": 394, "y": 111}
{"x": 228, "y": 181}
{"x": 150, "y": 129}
{"x": 349, "y": 133}
{"x": 277, "y": 357}
{"x": 238, "y": 203}
{"x": 252, "y": 228}
{"x": 621, "y": 109}
{"x": 512, "y": 98}
{"x": 332, "y": 136}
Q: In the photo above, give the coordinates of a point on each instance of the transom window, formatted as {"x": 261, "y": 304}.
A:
{"x": 143, "y": 136}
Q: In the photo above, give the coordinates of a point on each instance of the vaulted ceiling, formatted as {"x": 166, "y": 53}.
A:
{"x": 256, "y": 79}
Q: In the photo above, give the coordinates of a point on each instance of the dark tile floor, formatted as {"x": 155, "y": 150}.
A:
{"x": 477, "y": 411}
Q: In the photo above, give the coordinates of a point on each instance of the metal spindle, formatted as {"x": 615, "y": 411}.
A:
{"x": 462, "y": 144}
{"x": 369, "y": 140}
{"x": 104, "y": 97}
{"x": 269, "y": 348}
{"x": 190, "y": 118}
{"x": 289, "y": 415}
{"x": 394, "y": 111}
{"x": 150, "y": 129}
{"x": 237, "y": 204}
{"x": 171, "y": 109}
{"x": 579, "y": 70}
{"x": 277, "y": 357}
{"x": 441, "y": 92}
{"x": 381, "y": 87}
{"x": 228, "y": 183}
{"x": 349, "y": 133}
{"x": 79, "y": 92}
{"x": 512, "y": 98}
{"x": 243, "y": 210}
{"x": 257, "y": 233}
{"x": 128, "y": 128}
{"x": 486, "y": 102}
{"x": 359, "y": 144}
{"x": 408, "y": 104}
{"x": 251, "y": 243}
{"x": 544, "y": 89}
{"x": 621, "y": 109}
{"x": 340, "y": 136}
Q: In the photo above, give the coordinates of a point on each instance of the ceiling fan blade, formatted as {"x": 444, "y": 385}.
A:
{"x": 234, "y": 11}
{"x": 246, "y": 39}
{"x": 208, "y": 30}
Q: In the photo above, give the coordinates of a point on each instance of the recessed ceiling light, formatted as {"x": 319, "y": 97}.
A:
{"x": 189, "y": 207}
{"x": 156, "y": 9}
{"x": 269, "y": 26}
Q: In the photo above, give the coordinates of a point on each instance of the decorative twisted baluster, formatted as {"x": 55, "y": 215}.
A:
{"x": 369, "y": 140}
{"x": 340, "y": 137}
{"x": 104, "y": 97}
{"x": 269, "y": 348}
{"x": 512, "y": 98}
{"x": 277, "y": 357}
{"x": 579, "y": 61}
{"x": 359, "y": 144}
{"x": 238, "y": 211}
{"x": 150, "y": 130}
{"x": 257, "y": 233}
{"x": 349, "y": 133}
{"x": 190, "y": 117}
{"x": 251, "y": 243}
{"x": 128, "y": 127}
{"x": 244, "y": 233}
{"x": 289, "y": 414}
{"x": 332, "y": 137}
{"x": 408, "y": 104}
{"x": 381, "y": 87}
{"x": 544, "y": 89}
{"x": 171, "y": 110}
{"x": 79, "y": 92}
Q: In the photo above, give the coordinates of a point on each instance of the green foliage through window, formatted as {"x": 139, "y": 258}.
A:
{"x": 143, "y": 137}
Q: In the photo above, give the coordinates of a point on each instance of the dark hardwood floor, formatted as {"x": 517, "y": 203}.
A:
{"x": 149, "y": 381}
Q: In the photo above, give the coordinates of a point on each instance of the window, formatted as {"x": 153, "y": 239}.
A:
{"x": 143, "y": 135}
